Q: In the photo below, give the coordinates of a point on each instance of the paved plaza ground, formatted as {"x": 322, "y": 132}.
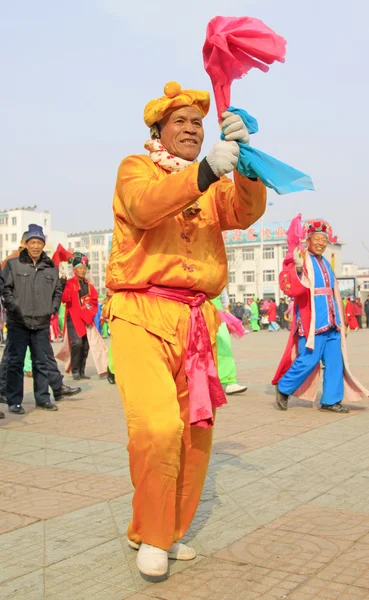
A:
{"x": 284, "y": 513}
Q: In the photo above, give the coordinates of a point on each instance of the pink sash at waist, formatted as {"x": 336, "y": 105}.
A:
{"x": 323, "y": 291}
{"x": 204, "y": 387}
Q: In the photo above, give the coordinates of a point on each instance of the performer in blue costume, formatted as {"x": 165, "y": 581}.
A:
{"x": 318, "y": 329}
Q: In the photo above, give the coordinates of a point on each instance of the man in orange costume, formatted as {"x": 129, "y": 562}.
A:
{"x": 167, "y": 261}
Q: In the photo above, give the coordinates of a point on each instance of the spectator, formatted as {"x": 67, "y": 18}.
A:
{"x": 55, "y": 377}
{"x": 280, "y": 313}
{"x": 272, "y": 316}
{"x": 350, "y": 316}
{"x": 239, "y": 311}
{"x": 254, "y": 318}
{"x": 2, "y": 415}
{"x": 32, "y": 294}
{"x": 358, "y": 312}
{"x": 288, "y": 315}
{"x": 366, "y": 309}
{"x": 81, "y": 302}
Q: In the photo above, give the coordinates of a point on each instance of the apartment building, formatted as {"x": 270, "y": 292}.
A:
{"x": 14, "y": 222}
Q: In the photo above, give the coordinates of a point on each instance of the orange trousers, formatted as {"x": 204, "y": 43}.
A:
{"x": 168, "y": 458}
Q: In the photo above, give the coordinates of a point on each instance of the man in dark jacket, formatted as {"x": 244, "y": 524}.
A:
{"x": 239, "y": 311}
{"x": 282, "y": 307}
{"x": 366, "y": 310}
{"x": 60, "y": 390}
{"x": 32, "y": 293}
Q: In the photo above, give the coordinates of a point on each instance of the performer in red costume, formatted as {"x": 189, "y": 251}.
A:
{"x": 81, "y": 300}
{"x": 351, "y": 320}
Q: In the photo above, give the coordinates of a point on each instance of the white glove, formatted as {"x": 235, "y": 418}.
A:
{"x": 298, "y": 258}
{"x": 223, "y": 157}
{"x": 234, "y": 128}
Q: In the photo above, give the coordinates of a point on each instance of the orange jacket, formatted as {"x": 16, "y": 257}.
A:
{"x": 154, "y": 243}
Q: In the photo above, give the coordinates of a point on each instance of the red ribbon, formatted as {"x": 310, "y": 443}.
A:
{"x": 204, "y": 387}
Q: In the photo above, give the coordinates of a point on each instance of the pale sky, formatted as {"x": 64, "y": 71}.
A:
{"x": 76, "y": 74}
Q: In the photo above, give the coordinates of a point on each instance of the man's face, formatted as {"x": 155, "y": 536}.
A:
{"x": 181, "y": 132}
{"x": 35, "y": 248}
{"x": 317, "y": 243}
{"x": 80, "y": 271}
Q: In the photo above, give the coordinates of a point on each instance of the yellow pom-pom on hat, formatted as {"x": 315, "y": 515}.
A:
{"x": 175, "y": 98}
{"x": 172, "y": 89}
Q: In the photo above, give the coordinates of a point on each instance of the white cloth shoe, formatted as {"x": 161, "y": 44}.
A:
{"x": 235, "y": 388}
{"x": 153, "y": 561}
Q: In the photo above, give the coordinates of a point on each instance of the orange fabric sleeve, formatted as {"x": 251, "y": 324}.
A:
{"x": 241, "y": 203}
{"x": 144, "y": 200}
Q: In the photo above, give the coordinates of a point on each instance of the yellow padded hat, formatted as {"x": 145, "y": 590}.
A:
{"x": 174, "y": 98}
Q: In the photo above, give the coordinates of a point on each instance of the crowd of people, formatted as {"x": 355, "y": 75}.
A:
{"x": 264, "y": 313}
{"x": 38, "y": 307}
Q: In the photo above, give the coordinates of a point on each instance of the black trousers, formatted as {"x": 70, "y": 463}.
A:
{"x": 367, "y": 319}
{"x": 359, "y": 319}
{"x": 79, "y": 348}
{"x": 19, "y": 337}
{"x": 54, "y": 375}
{"x": 283, "y": 323}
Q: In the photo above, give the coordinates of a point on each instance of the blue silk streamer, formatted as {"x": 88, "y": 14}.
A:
{"x": 275, "y": 174}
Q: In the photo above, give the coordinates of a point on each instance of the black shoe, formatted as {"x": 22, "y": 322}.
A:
{"x": 111, "y": 377}
{"x": 3, "y": 399}
{"x": 17, "y": 409}
{"x": 281, "y": 399}
{"x": 66, "y": 390}
{"x": 83, "y": 376}
{"x": 2, "y": 415}
{"x": 76, "y": 376}
{"x": 48, "y": 406}
{"x": 337, "y": 408}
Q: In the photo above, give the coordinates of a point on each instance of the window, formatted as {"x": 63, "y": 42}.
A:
{"x": 366, "y": 285}
{"x": 69, "y": 244}
{"x": 85, "y": 242}
{"x": 246, "y": 298}
{"x": 268, "y": 276}
{"x": 95, "y": 256}
{"x": 232, "y": 277}
{"x": 6, "y": 237}
{"x": 230, "y": 255}
{"x": 248, "y": 276}
{"x": 95, "y": 269}
{"x": 232, "y": 298}
{"x": 97, "y": 239}
{"x": 13, "y": 237}
{"x": 284, "y": 251}
{"x": 14, "y": 220}
{"x": 45, "y": 222}
{"x": 247, "y": 253}
{"x": 77, "y": 244}
{"x": 268, "y": 252}
{"x": 2, "y": 220}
